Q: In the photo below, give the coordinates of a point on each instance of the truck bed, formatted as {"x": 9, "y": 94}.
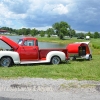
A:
{"x": 44, "y": 52}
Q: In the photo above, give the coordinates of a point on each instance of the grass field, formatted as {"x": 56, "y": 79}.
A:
{"x": 80, "y": 69}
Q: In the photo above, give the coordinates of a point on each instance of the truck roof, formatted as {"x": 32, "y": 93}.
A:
{"x": 29, "y": 38}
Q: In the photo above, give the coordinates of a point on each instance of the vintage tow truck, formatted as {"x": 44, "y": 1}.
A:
{"x": 27, "y": 51}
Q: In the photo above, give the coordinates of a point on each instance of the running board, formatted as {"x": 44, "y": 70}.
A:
{"x": 31, "y": 62}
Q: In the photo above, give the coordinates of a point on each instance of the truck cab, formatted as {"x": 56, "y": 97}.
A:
{"x": 29, "y": 49}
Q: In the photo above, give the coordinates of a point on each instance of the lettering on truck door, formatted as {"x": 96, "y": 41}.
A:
{"x": 29, "y": 51}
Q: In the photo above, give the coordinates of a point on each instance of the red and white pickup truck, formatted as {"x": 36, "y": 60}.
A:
{"x": 26, "y": 51}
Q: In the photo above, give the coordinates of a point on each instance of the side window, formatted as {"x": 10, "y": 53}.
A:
{"x": 29, "y": 43}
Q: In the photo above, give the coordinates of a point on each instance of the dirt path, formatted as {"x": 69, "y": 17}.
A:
{"x": 48, "y": 89}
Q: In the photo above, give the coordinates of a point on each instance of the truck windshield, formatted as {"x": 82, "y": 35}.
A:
{"x": 20, "y": 41}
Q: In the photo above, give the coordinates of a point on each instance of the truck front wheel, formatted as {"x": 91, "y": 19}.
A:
{"x": 55, "y": 60}
{"x": 5, "y": 61}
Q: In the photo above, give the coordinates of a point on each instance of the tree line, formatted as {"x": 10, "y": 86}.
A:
{"x": 61, "y": 29}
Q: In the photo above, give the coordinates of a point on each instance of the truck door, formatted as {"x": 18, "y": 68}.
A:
{"x": 29, "y": 51}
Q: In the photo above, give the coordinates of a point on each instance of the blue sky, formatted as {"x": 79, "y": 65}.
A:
{"x": 81, "y": 15}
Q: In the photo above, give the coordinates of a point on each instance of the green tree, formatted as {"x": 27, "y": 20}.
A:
{"x": 22, "y": 31}
{"x": 34, "y": 32}
{"x": 28, "y": 31}
{"x": 49, "y": 32}
{"x": 62, "y": 28}
{"x": 42, "y": 33}
{"x": 61, "y": 35}
{"x": 73, "y": 33}
{"x": 56, "y": 27}
{"x": 80, "y": 34}
{"x": 96, "y": 35}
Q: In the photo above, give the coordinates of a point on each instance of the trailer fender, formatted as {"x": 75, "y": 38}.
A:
{"x": 14, "y": 55}
{"x": 60, "y": 54}
{"x": 88, "y": 56}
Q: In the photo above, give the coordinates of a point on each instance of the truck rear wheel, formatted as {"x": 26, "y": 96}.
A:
{"x": 5, "y": 61}
{"x": 55, "y": 60}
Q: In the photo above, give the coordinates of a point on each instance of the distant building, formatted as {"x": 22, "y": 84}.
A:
{"x": 54, "y": 35}
{"x": 87, "y": 37}
{"x": 4, "y": 32}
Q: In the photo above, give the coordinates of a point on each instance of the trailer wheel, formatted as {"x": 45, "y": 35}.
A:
{"x": 74, "y": 58}
{"x": 6, "y": 62}
{"x": 55, "y": 60}
{"x": 90, "y": 57}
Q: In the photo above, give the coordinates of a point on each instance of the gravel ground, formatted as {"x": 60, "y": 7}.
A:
{"x": 48, "y": 89}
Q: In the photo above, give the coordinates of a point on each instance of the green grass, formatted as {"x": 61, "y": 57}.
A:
{"x": 80, "y": 69}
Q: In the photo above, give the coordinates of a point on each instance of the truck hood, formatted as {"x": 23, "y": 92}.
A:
{"x": 10, "y": 42}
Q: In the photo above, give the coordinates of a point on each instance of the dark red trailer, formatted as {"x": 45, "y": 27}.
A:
{"x": 79, "y": 50}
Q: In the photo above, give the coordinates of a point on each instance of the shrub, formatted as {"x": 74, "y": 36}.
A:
{"x": 96, "y": 46}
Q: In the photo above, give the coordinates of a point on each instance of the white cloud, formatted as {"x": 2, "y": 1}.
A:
{"x": 60, "y": 9}
{"x": 80, "y": 14}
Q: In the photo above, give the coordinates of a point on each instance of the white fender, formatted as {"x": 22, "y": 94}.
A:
{"x": 55, "y": 53}
{"x": 87, "y": 56}
{"x": 12, "y": 54}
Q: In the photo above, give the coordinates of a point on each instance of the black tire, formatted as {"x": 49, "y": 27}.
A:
{"x": 55, "y": 60}
{"x": 90, "y": 57}
{"x": 74, "y": 58}
{"x": 6, "y": 62}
